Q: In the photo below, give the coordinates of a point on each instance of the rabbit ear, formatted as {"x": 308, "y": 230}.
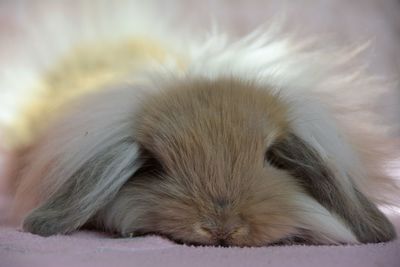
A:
{"x": 338, "y": 195}
{"x": 81, "y": 163}
{"x": 86, "y": 191}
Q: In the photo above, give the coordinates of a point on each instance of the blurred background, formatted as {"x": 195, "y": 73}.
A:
{"x": 342, "y": 22}
{"x": 345, "y": 22}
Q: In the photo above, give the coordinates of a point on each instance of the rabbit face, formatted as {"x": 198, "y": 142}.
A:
{"x": 218, "y": 169}
{"x": 205, "y": 178}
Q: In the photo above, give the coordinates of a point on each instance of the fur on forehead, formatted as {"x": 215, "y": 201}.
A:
{"x": 197, "y": 105}
{"x": 210, "y": 128}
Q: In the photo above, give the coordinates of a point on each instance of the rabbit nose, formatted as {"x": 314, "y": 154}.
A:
{"x": 224, "y": 236}
{"x": 221, "y": 235}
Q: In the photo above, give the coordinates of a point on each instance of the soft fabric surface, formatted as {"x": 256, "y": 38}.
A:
{"x": 92, "y": 249}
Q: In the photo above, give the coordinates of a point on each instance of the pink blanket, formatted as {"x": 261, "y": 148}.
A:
{"x": 93, "y": 249}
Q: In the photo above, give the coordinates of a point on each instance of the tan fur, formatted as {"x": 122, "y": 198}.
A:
{"x": 210, "y": 138}
{"x": 207, "y": 180}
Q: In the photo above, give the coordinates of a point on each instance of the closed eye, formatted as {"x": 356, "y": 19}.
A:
{"x": 151, "y": 166}
{"x": 272, "y": 158}
{"x": 293, "y": 155}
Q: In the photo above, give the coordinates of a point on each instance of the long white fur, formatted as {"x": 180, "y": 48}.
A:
{"x": 327, "y": 228}
{"x": 297, "y": 75}
{"x": 92, "y": 126}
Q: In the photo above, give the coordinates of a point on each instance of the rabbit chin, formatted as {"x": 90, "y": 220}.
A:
{"x": 315, "y": 226}
{"x": 294, "y": 218}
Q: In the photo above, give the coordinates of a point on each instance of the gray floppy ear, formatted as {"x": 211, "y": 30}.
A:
{"x": 320, "y": 181}
{"x": 81, "y": 162}
{"x": 90, "y": 188}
